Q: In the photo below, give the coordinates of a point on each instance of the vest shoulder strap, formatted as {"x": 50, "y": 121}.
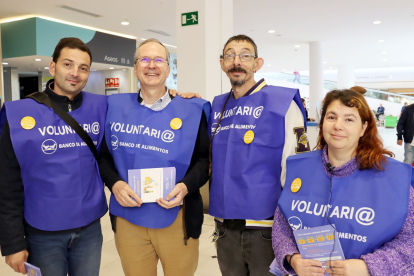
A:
{"x": 44, "y": 99}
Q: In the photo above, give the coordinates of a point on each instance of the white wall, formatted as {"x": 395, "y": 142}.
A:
{"x": 304, "y": 89}
{"x": 96, "y": 82}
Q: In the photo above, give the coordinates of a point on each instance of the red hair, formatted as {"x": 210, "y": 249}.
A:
{"x": 370, "y": 151}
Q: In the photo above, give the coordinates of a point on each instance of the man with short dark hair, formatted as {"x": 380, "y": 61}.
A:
{"x": 253, "y": 129}
{"x": 51, "y": 194}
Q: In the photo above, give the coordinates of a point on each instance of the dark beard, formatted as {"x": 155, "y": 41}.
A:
{"x": 237, "y": 83}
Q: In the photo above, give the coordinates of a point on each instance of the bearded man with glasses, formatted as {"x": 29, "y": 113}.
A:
{"x": 164, "y": 132}
{"x": 253, "y": 129}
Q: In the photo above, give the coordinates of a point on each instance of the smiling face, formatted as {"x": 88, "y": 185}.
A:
{"x": 71, "y": 72}
{"x": 240, "y": 72}
{"x": 151, "y": 74}
{"x": 342, "y": 128}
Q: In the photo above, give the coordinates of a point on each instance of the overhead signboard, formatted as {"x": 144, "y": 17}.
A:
{"x": 37, "y": 36}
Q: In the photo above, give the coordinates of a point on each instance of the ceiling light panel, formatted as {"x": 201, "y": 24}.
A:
{"x": 79, "y": 11}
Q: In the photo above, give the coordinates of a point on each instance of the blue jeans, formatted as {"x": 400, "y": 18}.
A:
{"x": 408, "y": 153}
{"x": 77, "y": 253}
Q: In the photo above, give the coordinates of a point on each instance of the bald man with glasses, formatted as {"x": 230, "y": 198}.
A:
{"x": 164, "y": 132}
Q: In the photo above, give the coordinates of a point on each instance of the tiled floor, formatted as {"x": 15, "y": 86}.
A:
{"x": 111, "y": 264}
{"x": 389, "y": 138}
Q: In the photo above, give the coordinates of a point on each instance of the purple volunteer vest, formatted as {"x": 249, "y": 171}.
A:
{"x": 62, "y": 186}
{"x": 246, "y": 177}
{"x": 369, "y": 207}
{"x": 140, "y": 138}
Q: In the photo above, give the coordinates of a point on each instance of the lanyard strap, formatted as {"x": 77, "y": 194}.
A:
{"x": 44, "y": 99}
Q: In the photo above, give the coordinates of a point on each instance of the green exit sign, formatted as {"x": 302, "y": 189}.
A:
{"x": 190, "y": 18}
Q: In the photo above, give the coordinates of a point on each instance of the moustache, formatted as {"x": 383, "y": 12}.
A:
{"x": 237, "y": 69}
{"x": 72, "y": 79}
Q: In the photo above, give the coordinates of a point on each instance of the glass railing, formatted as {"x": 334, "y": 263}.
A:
{"x": 387, "y": 96}
{"x": 331, "y": 85}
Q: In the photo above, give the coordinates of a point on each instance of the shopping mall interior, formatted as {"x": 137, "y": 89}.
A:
{"x": 314, "y": 46}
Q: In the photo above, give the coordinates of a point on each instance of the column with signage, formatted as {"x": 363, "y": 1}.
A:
{"x": 202, "y": 29}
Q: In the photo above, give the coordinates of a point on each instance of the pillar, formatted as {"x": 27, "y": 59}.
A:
{"x": 199, "y": 46}
{"x": 11, "y": 84}
{"x": 316, "y": 82}
{"x": 39, "y": 81}
{"x": 132, "y": 81}
{"x": 346, "y": 77}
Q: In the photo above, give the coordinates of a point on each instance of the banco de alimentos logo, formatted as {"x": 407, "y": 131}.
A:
{"x": 49, "y": 146}
{"x": 114, "y": 142}
{"x": 295, "y": 223}
{"x": 214, "y": 127}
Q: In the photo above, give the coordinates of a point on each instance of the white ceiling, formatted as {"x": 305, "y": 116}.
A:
{"x": 345, "y": 27}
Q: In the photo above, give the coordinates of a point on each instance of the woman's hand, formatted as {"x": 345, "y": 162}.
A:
{"x": 351, "y": 267}
{"x": 306, "y": 267}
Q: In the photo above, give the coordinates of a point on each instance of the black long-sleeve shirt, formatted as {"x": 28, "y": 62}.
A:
{"x": 405, "y": 126}
{"x": 12, "y": 223}
{"x": 196, "y": 176}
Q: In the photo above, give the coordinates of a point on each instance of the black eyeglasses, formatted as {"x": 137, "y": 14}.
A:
{"x": 243, "y": 57}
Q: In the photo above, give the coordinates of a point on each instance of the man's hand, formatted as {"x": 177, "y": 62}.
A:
{"x": 125, "y": 196}
{"x": 179, "y": 192}
{"x": 351, "y": 267}
{"x": 305, "y": 267}
{"x": 399, "y": 142}
{"x": 172, "y": 92}
{"x": 187, "y": 95}
{"x": 16, "y": 261}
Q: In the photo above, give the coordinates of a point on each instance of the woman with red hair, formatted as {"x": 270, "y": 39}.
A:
{"x": 349, "y": 184}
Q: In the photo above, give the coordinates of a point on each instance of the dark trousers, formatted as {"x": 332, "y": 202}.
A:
{"x": 244, "y": 253}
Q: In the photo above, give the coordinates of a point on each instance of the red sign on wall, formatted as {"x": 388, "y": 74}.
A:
{"x": 112, "y": 82}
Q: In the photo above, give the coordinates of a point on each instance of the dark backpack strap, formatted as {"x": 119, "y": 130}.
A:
{"x": 42, "y": 98}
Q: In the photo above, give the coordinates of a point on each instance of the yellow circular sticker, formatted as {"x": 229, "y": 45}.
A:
{"x": 176, "y": 123}
{"x": 28, "y": 122}
{"x": 296, "y": 185}
{"x": 248, "y": 137}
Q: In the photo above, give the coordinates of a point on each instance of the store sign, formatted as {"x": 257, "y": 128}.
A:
{"x": 112, "y": 82}
{"x": 111, "y": 49}
{"x": 190, "y": 18}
